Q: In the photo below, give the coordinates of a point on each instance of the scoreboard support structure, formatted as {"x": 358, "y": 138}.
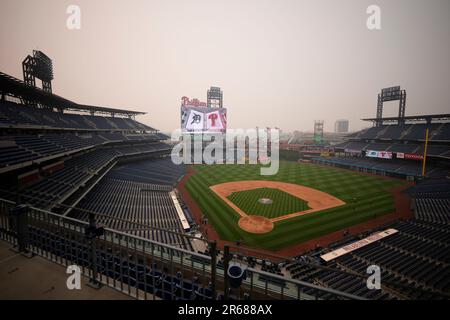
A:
{"x": 391, "y": 94}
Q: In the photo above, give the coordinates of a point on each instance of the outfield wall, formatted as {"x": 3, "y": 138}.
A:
{"x": 365, "y": 169}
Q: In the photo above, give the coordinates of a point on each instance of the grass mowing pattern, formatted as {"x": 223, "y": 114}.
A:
{"x": 366, "y": 197}
{"x": 283, "y": 203}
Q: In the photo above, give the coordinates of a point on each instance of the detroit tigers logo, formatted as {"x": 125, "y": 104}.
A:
{"x": 196, "y": 118}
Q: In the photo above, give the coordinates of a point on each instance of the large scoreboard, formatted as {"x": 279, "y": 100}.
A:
{"x": 197, "y": 117}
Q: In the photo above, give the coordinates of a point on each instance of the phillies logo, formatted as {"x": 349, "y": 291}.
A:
{"x": 213, "y": 118}
{"x": 185, "y": 101}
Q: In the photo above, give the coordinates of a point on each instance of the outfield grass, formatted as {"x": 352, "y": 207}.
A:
{"x": 283, "y": 203}
{"x": 366, "y": 197}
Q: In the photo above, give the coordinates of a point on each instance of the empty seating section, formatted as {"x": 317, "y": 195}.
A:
{"x": 437, "y": 132}
{"x": 394, "y": 132}
{"x": 407, "y": 138}
{"x": 23, "y": 148}
{"x": 133, "y": 193}
{"x": 418, "y": 132}
{"x": 13, "y": 114}
{"x": 391, "y": 166}
{"x": 442, "y": 134}
{"x": 38, "y": 145}
{"x": 405, "y": 148}
{"x": 335, "y": 279}
{"x": 136, "y": 149}
{"x": 415, "y": 264}
{"x": 13, "y": 154}
{"x": 432, "y": 200}
{"x": 370, "y": 133}
{"x": 54, "y": 186}
{"x": 431, "y": 188}
{"x": 159, "y": 171}
{"x": 378, "y": 146}
{"x": 415, "y": 261}
{"x": 134, "y": 198}
{"x": 436, "y": 150}
{"x": 142, "y": 209}
{"x": 357, "y": 145}
{"x": 76, "y": 171}
{"x": 405, "y": 142}
{"x": 433, "y": 209}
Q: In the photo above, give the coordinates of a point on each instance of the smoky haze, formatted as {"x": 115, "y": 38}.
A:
{"x": 280, "y": 63}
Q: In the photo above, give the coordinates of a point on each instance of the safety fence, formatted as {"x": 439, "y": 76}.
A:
{"x": 143, "y": 268}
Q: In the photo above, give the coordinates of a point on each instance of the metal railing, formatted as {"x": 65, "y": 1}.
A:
{"x": 139, "y": 267}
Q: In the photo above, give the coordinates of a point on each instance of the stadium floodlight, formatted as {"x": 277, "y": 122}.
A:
{"x": 214, "y": 97}
{"x": 38, "y": 66}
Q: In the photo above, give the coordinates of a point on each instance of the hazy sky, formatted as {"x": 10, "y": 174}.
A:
{"x": 280, "y": 63}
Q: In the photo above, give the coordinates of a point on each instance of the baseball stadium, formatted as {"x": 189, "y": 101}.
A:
{"x": 95, "y": 190}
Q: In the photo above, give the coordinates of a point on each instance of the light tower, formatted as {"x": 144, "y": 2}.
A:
{"x": 318, "y": 131}
{"x": 38, "y": 66}
{"x": 214, "y": 98}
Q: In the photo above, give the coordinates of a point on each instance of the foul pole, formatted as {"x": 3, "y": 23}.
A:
{"x": 424, "y": 163}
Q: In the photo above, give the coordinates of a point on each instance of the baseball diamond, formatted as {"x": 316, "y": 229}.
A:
{"x": 329, "y": 199}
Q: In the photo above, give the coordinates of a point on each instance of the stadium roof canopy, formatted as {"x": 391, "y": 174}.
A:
{"x": 17, "y": 88}
{"x": 428, "y": 118}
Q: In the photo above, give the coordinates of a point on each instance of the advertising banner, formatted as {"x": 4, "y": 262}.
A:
{"x": 409, "y": 156}
{"x": 413, "y": 156}
{"x": 354, "y": 151}
{"x": 379, "y": 154}
{"x": 357, "y": 244}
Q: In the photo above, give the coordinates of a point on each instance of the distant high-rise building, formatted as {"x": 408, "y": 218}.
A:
{"x": 341, "y": 126}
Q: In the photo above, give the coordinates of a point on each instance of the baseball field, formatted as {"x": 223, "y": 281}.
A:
{"x": 300, "y": 203}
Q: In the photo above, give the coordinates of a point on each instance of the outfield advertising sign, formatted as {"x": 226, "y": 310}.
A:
{"x": 379, "y": 154}
{"x": 413, "y": 156}
{"x": 409, "y": 156}
{"x": 353, "y": 151}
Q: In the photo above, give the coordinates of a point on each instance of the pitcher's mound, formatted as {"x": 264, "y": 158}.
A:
{"x": 255, "y": 224}
{"x": 265, "y": 201}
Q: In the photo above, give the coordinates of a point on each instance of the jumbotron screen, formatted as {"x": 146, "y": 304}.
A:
{"x": 203, "y": 120}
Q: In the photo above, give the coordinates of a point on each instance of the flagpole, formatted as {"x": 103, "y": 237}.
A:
{"x": 425, "y": 154}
